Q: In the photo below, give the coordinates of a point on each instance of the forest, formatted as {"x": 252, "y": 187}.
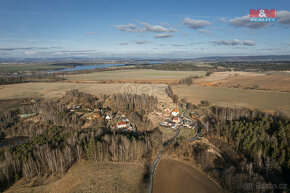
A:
{"x": 251, "y": 150}
{"x": 56, "y": 138}
{"x": 255, "y": 143}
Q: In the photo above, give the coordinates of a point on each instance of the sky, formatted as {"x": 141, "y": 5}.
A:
{"x": 135, "y": 28}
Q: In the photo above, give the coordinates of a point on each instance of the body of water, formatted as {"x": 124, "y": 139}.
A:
{"x": 92, "y": 67}
{"x": 87, "y": 67}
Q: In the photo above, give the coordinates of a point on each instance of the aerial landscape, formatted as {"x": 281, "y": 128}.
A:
{"x": 144, "y": 96}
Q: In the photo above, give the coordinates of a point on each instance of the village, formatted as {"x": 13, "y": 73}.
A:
{"x": 169, "y": 119}
{"x": 176, "y": 120}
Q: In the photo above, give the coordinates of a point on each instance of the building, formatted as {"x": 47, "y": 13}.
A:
{"x": 97, "y": 110}
{"x": 122, "y": 125}
{"x": 171, "y": 124}
{"x": 88, "y": 109}
{"x": 125, "y": 120}
{"x": 176, "y": 119}
{"x": 175, "y": 112}
{"x": 27, "y": 115}
{"x": 167, "y": 111}
{"x": 108, "y": 117}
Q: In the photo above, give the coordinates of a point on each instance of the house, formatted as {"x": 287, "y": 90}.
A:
{"x": 88, "y": 109}
{"x": 194, "y": 115}
{"x": 27, "y": 115}
{"x": 97, "y": 110}
{"x": 167, "y": 111}
{"x": 125, "y": 120}
{"x": 175, "y": 112}
{"x": 176, "y": 119}
{"x": 108, "y": 117}
{"x": 164, "y": 123}
{"x": 172, "y": 124}
{"x": 122, "y": 125}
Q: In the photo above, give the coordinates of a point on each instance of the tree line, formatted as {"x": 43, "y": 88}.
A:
{"x": 57, "y": 139}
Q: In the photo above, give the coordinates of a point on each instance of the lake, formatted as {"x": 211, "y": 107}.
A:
{"x": 87, "y": 67}
{"x": 92, "y": 67}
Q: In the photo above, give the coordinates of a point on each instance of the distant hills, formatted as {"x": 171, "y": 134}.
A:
{"x": 211, "y": 58}
{"x": 246, "y": 58}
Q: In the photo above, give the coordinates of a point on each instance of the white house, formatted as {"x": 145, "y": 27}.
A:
{"x": 175, "y": 112}
{"x": 108, "y": 117}
{"x": 122, "y": 125}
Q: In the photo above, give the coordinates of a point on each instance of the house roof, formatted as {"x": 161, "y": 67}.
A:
{"x": 122, "y": 123}
{"x": 175, "y": 118}
{"x": 175, "y": 111}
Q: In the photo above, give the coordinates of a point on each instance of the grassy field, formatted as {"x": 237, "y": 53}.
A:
{"x": 27, "y": 67}
{"x": 55, "y": 90}
{"x": 89, "y": 176}
{"x": 263, "y": 100}
{"x": 141, "y": 74}
{"x": 186, "y": 133}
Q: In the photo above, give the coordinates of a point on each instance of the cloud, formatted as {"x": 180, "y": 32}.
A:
{"x": 178, "y": 45}
{"x": 283, "y": 17}
{"x": 164, "y": 24}
{"x": 30, "y": 52}
{"x": 154, "y": 28}
{"x": 146, "y": 28}
{"x": 195, "y": 43}
{"x": 123, "y": 44}
{"x": 235, "y": 42}
{"x": 65, "y": 52}
{"x": 244, "y": 22}
{"x": 195, "y": 24}
{"x": 90, "y": 33}
{"x": 171, "y": 29}
{"x": 127, "y": 28}
{"x": 223, "y": 19}
{"x": 285, "y": 44}
{"x": 204, "y": 31}
{"x": 26, "y": 48}
{"x": 142, "y": 42}
{"x": 163, "y": 35}
{"x": 185, "y": 34}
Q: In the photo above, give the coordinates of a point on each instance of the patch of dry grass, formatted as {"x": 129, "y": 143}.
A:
{"x": 263, "y": 100}
{"x": 136, "y": 74}
{"x": 186, "y": 133}
{"x": 55, "y": 90}
{"x": 89, "y": 176}
{"x": 261, "y": 81}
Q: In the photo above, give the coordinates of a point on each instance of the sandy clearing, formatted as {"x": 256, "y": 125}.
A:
{"x": 172, "y": 176}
